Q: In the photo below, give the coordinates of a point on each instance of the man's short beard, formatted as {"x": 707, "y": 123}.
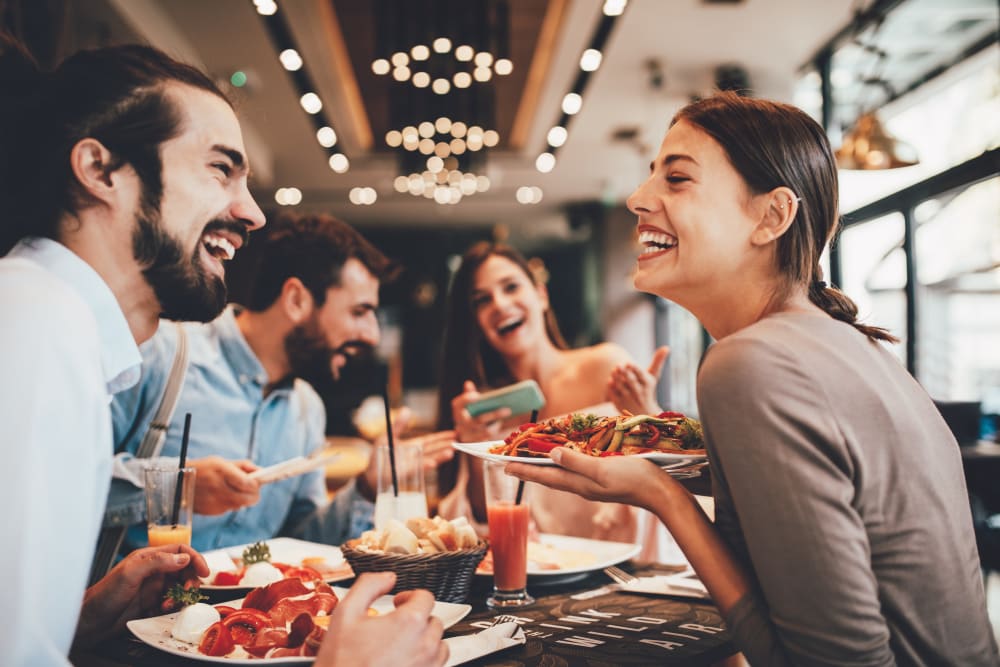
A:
{"x": 186, "y": 292}
{"x": 309, "y": 355}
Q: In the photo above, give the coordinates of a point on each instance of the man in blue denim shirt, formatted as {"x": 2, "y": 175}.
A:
{"x": 312, "y": 305}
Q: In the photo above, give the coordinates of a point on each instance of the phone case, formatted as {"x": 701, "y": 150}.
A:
{"x": 521, "y": 398}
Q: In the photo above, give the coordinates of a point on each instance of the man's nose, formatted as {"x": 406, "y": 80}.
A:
{"x": 246, "y": 210}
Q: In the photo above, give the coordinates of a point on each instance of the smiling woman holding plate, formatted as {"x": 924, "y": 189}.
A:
{"x": 843, "y": 533}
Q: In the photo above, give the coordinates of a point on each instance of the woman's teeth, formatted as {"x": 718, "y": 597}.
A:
{"x": 655, "y": 241}
{"x": 219, "y": 247}
{"x": 507, "y": 327}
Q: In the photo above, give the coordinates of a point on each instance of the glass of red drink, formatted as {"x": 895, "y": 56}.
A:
{"x": 508, "y": 522}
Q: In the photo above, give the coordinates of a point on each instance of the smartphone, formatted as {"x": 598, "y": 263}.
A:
{"x": 521, "y": 398}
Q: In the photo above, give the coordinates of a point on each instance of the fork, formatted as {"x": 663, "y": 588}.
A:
{"x": 503, "y": 618}
{"x": 620, "y": 576}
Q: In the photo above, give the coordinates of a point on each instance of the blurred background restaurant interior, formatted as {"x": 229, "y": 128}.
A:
{"x": 431, "y": 124}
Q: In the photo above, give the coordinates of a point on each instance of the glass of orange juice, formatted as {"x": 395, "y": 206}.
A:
{"x": 168, "y": 512}
{"x": 508, "y": 521}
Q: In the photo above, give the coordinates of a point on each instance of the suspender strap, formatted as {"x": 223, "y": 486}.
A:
{"x": 110, "y": 539}
{"x": 152, "y": 443}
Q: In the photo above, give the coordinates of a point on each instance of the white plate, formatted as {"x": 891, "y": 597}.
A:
{"x": 482, "y": 450}
{"x": 283, "y": 550}
{"x": 574, "y": 550}
{"x": 156, "y": 631}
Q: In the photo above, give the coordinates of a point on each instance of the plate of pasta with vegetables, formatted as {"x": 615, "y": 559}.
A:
{"x": 668, "y": 437}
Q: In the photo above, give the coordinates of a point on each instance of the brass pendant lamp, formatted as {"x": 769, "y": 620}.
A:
{"x": 869, "y": 146}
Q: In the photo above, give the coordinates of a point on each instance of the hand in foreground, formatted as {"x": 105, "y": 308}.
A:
{"x": 223, "y": 486}
{"x": 618, "y": 479}
{"x": 406, "y": 636}
{"x": 634, "y": 389}
{"x": 135, "y": 588}
{"x": 487, "y": 426}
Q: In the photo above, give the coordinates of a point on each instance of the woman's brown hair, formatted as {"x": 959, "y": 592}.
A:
{"x": 466, "y": 354}
{"x": 771, "y": 145}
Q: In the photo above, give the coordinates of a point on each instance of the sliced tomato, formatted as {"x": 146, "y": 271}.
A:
{"x": 670, "y": 415}
{"x": 224, "y": 610}
{"x": 217, "y": 641}
{"x": 541, "y": 446}
{"x": 227, "y": 578}
{"x": 282, "y": 567}
{"x": 244, "y": 624}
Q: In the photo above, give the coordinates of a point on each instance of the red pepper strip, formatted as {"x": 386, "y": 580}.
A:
{"x": 670, "y": 415}
{"x": 605, "y": 454}
{"x": 217, "y": 641}
{"x": 542, "y": 446}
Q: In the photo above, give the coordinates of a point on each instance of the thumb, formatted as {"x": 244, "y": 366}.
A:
{"x": 151, "y": 561}
{"x": 575, "y": 461}
{"x": 238, "y": 479}
{"x": 659, "y": 357}
{"x": 468, "y": 387}
{"x": 369, "y": 587}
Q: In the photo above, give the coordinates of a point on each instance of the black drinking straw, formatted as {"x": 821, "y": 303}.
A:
{"x": 388, "y": 432}
{"x": 180, "y": 469}
{"x": 520, "y": 484}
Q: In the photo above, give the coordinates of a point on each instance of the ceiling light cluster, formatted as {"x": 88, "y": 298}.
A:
{"x": 416, "y": 66}
{"x": 442, "y": 181}
{"x": 363, "y": 196}
{"x": 572, "y": 102}
{"x": 291, "y": 59}
{"x": 442, "y": 138}
{"x": 288, "y": 196}
{"x": 529, "y": 194}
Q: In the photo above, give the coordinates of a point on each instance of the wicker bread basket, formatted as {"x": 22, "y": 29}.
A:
{"x": 447, "y": 574}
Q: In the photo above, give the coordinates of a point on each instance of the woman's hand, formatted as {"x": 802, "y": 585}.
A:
{"x": 618, "y": 479}
{"x": 135, "y": 588}
{"x": 634, "y": 389}
{"x": 487, "y": 426}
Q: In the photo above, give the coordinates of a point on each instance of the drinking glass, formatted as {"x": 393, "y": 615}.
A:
{"x": 168, "y": 513}
{"x": 412, "y": 498}
{"x": 508, "y": 521}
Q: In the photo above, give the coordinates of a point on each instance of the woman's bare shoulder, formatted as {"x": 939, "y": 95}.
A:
{"x": 598, "y": 359}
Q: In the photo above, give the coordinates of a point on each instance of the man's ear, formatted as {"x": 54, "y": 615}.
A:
{"x": 780, "y": 208}
{"x": 92, "y": 167}
{"x": 296, "y": 301}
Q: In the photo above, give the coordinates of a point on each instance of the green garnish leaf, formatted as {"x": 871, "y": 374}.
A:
{"x": 581, "y": 422}
{"x": 691, "y": 434}
{"x": 258, "y": 552}
{"x": 181, "y": 596}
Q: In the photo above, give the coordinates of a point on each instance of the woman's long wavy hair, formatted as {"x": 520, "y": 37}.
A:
{"x": 466, "y": 354}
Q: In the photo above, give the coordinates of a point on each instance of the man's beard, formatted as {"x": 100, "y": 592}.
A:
{"x": 310, "y": 357}
{"x": 185, "y": 290}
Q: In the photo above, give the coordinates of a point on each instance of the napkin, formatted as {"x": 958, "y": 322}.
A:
{"x": 492, "y": 639}
{"x": 668, "y": 584}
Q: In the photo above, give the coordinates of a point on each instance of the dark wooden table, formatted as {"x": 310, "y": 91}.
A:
{"x": 572, "y": 624}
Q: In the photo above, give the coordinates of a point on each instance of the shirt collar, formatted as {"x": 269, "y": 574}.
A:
{"x": 236, "y": 349}
{"x": 120, "y": 356}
